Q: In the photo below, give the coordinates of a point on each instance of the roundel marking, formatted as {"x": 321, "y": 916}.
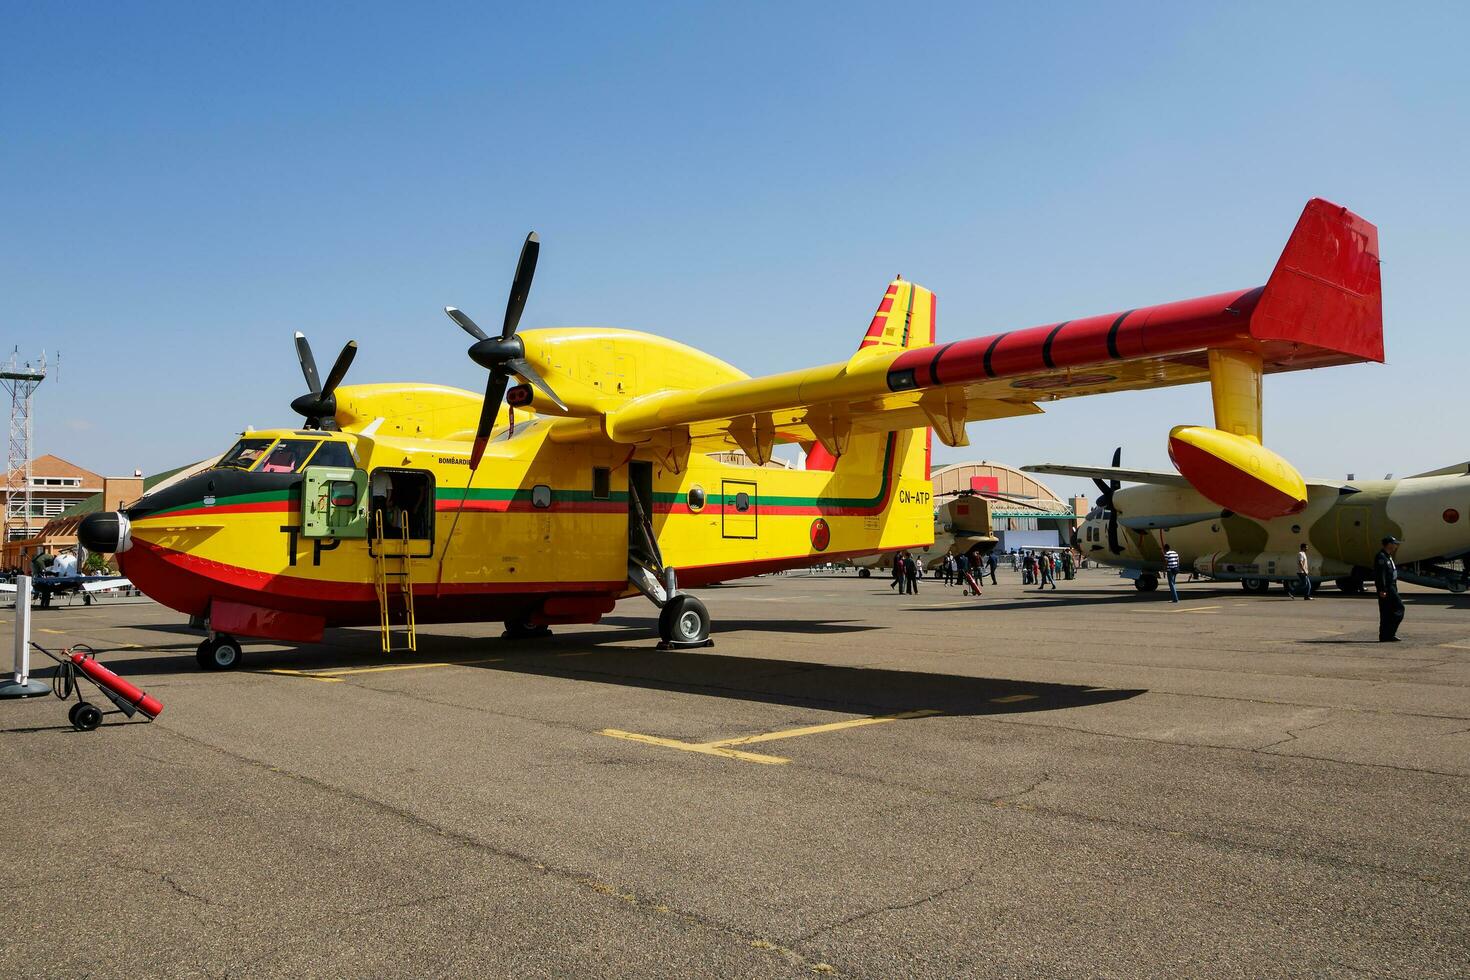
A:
{"x": 821, "y": 534}
{"x": 1451, "y": 516}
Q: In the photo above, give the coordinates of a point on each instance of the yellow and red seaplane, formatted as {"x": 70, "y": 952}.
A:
{"x": 594, "y": 478}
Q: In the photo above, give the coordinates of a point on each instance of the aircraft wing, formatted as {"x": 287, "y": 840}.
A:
{"x": 102, "y": 585}
{"x": 1106, "y": 473}
{"x": 1321, "y": 306}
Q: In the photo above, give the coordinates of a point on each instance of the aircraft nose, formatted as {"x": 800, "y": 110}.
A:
{"x": 107, "y": 532}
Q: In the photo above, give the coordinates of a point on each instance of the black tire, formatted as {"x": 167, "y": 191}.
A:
{"x": 683, "y": 620}
{"x": 220, "y": 653}
{"x": 1256, "y": 586}
{"x": 1352, "y": 586}
{"x": 522, "y": 630}
{"x": 71, "y": 715}
{"x": 1458, "y": 586}
{"x": 86, "y": 717}
{"x": 865, "y": 573}
{"x": 1146, "y": 583}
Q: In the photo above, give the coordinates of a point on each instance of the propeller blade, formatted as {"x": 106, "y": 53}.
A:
{"x": 1117, "y": 462}
{"x": 308, "y": 364}
{"x": 1107, "y": 491}
{"x": 339, "y": 369}
{"x": 521, "y": 369}
{"x": 465, "y": 323}
{"x": 494, "y": 395}
{"x": 520, "y": 287}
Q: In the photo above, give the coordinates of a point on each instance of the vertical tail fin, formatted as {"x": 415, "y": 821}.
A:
{"x": 905, "y": 319}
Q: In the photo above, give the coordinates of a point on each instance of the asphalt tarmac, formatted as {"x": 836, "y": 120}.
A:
{"x": 1086, "y": 782}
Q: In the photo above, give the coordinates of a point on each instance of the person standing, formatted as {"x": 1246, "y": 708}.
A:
{"x": 962, "y": 570}
{"x": 898, "y": 576}
{"x": 1386, "y": 577}
{"x": 912, "y": 569}
{"x": 1171, "y": 569}
{"x": 1043, "y": 572}
{"x": 990, "y": 565}
{"x": 1303, "y": 573}
{"x": 949, "y": 570}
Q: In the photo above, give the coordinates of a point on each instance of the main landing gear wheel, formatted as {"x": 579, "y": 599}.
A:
{"x": 684, "y": 622}
{"x": 865, "y": 573}
{"x": 1352, "y": 586}
{"x": 85, "y": 717}
{"x": 1146, "y": 583}
{"x": 519, "y": 630}
{"x": 1256, "y": 586}
{"x": 221, "y": 653}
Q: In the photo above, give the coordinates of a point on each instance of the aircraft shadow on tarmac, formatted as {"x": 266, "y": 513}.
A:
{"x": 858, "y": 690}
{"x": 626, "y": 657}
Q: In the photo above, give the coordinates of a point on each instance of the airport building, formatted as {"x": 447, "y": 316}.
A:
{"x": 57, "y": 487}
{"x": 1024, "y": 512}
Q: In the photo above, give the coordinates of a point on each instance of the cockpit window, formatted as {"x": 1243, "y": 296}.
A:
{"x": 288, "y": 455}
{"x": 245, "y": 454}
{"x": 333, "y": 453}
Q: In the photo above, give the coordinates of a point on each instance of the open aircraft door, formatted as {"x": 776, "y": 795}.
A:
{"x": 334, "y": 502}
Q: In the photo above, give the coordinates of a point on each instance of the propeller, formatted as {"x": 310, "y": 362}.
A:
{"x": 1106, "y": 500}
{"x": 319, "y": 405}
{"x": 504, "y": 355}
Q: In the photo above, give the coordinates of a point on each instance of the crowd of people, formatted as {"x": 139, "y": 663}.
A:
{"x": 969, "y": 569}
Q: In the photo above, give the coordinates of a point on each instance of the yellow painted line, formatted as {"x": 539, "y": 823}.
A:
{"x": 338, "y": 674}
{"x": 1013, "y": 698}
{"x": 43, "y": 629}
{"x": 298, "y": 673}
{"x": 1456, "y": 646}
{"x": 724, "y": 749}
{"x": 819, "y": 729}
{"x": 701, "y": 748}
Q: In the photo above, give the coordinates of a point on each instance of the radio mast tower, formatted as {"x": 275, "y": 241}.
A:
{"x": 21, "y": 381}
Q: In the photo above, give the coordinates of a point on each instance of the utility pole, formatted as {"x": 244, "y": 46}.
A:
{"x": 20, "y": 381}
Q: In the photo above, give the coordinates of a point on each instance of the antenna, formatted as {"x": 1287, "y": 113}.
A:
{"x": 21, "y": 382}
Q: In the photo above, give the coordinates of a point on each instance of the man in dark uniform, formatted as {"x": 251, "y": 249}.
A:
{"x": 1386, "y": 577}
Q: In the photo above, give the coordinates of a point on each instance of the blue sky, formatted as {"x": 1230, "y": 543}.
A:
{"x": 187, "y": 184}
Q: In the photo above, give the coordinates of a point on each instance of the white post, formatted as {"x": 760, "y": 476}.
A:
{"x": 22, "y": 629}
{"x": 20, "y": 684}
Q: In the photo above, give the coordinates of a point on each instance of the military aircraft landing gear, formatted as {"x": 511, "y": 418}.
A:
{"x": 1256, "y": 586}
{"x": 1146, "y": 583}
{"x": 865, "y": 573}
{"x": 684, "y": 622}
{"x": 1352, "y": 585}
{"x": 220, "y": 652}
{"x": 521, "y": 630}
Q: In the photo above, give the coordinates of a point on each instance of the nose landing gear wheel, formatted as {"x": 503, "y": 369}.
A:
{"x": 683, "y": 622}
{"x": 221, "y": 653}
{"x": 1146, "y": 583}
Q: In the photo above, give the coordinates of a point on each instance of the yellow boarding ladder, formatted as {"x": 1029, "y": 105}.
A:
{"x": 392, "y": 568}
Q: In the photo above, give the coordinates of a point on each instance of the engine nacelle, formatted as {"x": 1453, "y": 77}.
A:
{"x": 1237, "y": 472}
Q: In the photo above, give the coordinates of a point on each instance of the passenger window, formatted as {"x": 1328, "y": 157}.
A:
{"x": 601, "y": 483}
{"x": 742, "y": 501}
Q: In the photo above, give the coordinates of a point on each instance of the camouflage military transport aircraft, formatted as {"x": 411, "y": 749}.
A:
{"x": 1342, "y": 525}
